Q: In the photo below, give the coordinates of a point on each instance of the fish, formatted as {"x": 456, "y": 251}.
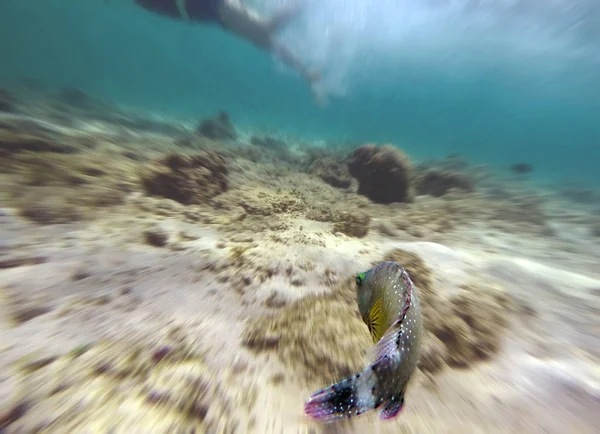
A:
{"x": 391, "y": 309}
{"x": 521, "y": 168}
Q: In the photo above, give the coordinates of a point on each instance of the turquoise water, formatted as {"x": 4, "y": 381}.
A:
{"x": 499, "y": 82}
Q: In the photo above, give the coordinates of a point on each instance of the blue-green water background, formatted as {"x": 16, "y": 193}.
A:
{"x": 429, "y": 96}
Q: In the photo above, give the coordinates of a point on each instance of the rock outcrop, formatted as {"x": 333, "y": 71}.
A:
{"x": 383, "y": 173}
{"x": 187, "y": 179}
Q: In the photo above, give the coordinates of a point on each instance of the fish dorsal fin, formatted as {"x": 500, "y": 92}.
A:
{"x": 376, "y": 320}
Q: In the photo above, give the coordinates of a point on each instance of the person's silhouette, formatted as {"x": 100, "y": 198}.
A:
{"x": 234, "y": 16}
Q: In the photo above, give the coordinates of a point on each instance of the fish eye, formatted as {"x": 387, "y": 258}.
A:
{"x": 360, "y": 278}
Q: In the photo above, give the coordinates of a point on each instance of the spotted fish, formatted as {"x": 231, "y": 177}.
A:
{"x": 392, "y": 311}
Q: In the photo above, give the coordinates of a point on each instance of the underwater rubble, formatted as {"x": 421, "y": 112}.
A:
{"x": 277, "y": 231}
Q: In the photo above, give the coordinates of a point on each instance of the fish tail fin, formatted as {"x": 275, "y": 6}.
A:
{"x": 349, "y": 397}
{"x": 361, "y": 392}
{"x": 393, "y": 407}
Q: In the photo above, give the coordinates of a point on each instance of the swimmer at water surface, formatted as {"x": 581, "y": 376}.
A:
{"x": 235, "y": 17}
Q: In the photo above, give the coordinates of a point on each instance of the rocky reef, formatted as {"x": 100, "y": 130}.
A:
{"x": 202, "y": 278}
{"x": 218, "y": 128}
{"x": 187, "y": 179}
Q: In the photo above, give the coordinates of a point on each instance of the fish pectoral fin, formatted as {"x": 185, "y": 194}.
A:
{"x": 387, "y": 346}
{"x": 376, "y": 320}
{"x": 393, "y": 407}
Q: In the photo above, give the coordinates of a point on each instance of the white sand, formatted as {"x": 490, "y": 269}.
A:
{"x": 546, "y": 378}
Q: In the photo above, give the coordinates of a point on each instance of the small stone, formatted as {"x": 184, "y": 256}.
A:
{"x": 125, "y": 290}
{"x": 81, "y": 274}
{"x": 102, "y": 300}
{"x": 187, "y": 236}
{"x": 297, "y": 281}
{"x": 27, "y": 310}
{"x": 156, "y": 236}
{"x": 176, "y": 247}
{"x": 19, "y": 261}
{"x": 277, "y": 379}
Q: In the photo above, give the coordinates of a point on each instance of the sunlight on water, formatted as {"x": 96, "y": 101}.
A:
{"x": 360, "y": 38}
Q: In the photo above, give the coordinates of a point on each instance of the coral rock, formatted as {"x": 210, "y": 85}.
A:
{"x": 481, "y": 309}
{"x": 353, "y": 224}
{"x": 433, "y": 354}
{"x": 156, "y": 236}
{"x": 318, "y": 338}
{"x": 332, "y": 172}
{"x": 458, "y": 337}
{"x": 383, "y": 173}
{"x": 469, "y": 324}
{"x": 438, "y": 182}
{"x": 187, "y": 179}
{"x": 218, "y": 128}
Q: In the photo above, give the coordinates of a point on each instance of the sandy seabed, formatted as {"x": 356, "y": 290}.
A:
{"x": 158, "y": 279}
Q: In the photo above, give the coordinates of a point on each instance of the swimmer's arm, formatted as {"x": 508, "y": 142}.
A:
{"x": 241, "y": 6}
{"x": 237, "y": 4}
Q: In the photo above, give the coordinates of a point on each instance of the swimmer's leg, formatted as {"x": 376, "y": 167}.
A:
{"x": 312, "y": 76}
{"x": 293, "y": 62}
{"x": 282, "y": 17}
